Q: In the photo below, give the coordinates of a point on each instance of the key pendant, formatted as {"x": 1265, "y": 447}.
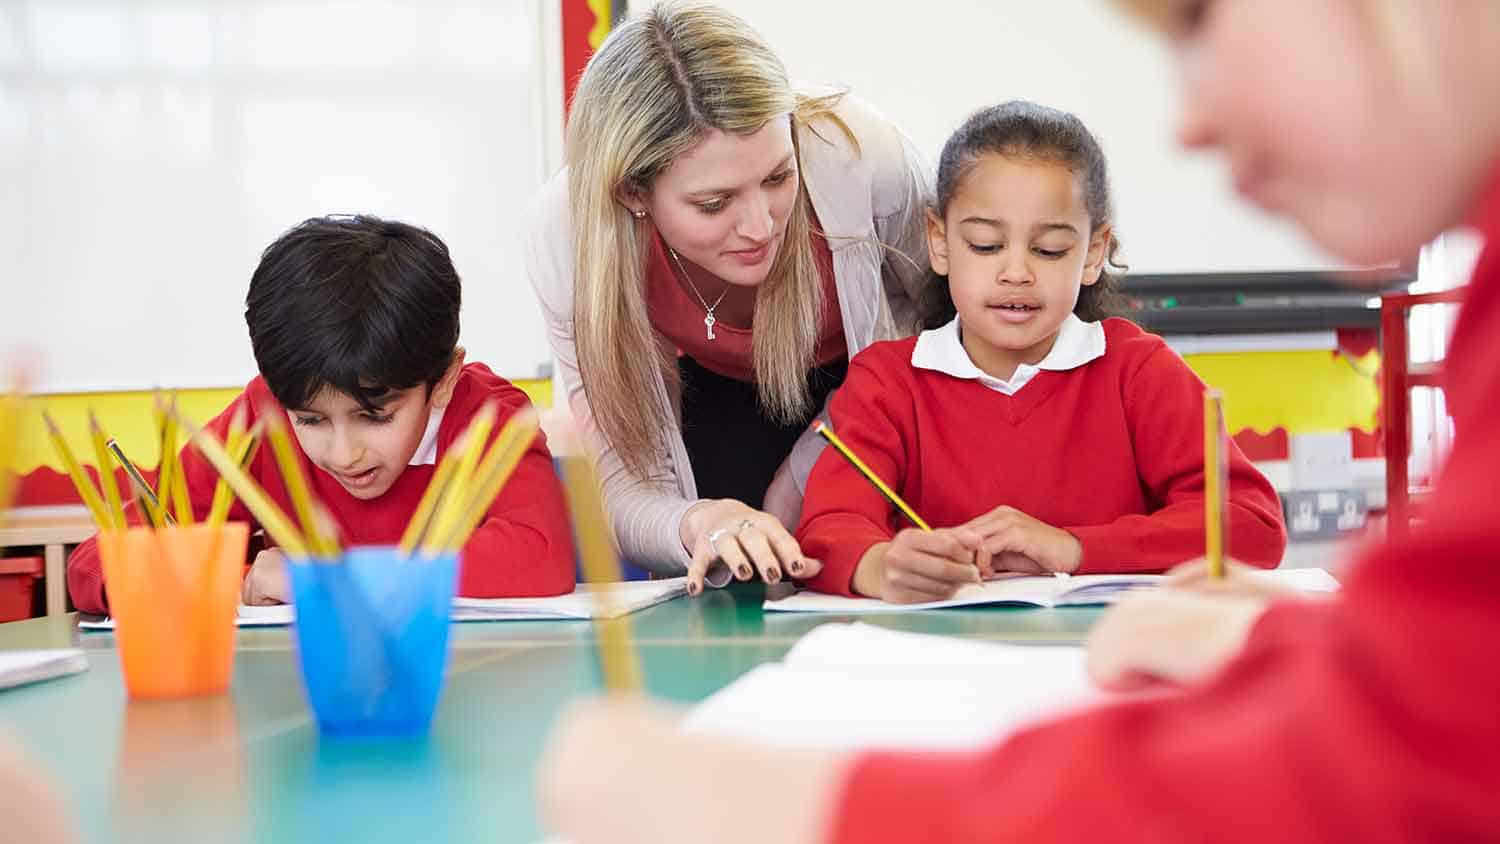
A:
{"x": 708, "y": 320}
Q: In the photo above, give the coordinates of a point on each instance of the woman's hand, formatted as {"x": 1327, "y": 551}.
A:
{"x": 750, "y": 542}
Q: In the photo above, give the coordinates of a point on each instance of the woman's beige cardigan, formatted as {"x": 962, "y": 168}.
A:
{"x": 863, "y": 199}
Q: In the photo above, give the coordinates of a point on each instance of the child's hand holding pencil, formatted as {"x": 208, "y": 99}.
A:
{"x": 267, "y": 582}
{"x": 1016, "y": 542}
{"x": 919, "y": 565}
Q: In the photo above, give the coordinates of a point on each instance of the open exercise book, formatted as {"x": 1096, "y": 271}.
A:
{"x": 1037, "y": 591}
{"x": 628, "y": 597}
{"x": 851, "y": 686}
{"x": 18, "y": 668}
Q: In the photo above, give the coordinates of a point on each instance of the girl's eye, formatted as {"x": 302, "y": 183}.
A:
{"x": 308, "y": 421}
{"x": 712, "y": 206}
{"x": 779, "y": 178}
{"x": 985, "y": 248}
{"x": 1051, "y": 254}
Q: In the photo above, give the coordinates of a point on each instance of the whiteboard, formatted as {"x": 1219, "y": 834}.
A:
{"x": 149, "y": 151}
{"x": 928, "y": 65}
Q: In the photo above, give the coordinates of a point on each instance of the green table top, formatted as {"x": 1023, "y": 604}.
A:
{"x": 248, "y": 766}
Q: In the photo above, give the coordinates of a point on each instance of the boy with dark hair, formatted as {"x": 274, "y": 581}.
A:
{"x": 354, "y": 324}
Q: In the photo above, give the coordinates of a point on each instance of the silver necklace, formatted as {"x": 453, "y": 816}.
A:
{"x": 708, "y": 310}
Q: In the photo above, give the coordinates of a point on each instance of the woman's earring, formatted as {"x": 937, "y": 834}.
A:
{"x": 639, "y": 213}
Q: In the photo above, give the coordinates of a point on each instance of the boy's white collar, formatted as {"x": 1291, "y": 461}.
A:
{"x": 426, "y": 453}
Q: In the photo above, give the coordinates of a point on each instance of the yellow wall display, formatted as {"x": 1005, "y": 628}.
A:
{"x": 1300, "y": 391}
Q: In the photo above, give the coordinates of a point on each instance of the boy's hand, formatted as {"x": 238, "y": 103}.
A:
{"x": 267, "y": 582}
{"x": 1014, "y": 541}
{"x": 918, "y": 566}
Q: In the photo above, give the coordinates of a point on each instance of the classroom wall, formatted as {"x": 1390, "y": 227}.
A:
{"x": 928, "y": 65}
{"x": 151, "y": 148}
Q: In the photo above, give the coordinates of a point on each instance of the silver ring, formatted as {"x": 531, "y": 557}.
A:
{"x": 714, "y": 537}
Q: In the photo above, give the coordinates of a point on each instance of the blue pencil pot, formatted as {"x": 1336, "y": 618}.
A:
{"x": 372, "y": 639}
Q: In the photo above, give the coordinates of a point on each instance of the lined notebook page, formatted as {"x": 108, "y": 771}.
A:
{"x": 1039, "y": 591}
{"x": 850, "y": 686}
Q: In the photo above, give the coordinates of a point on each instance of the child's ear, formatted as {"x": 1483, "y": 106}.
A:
{"x": 937, "y": 243}
{"x": 1099, "y": 246}
{"x": 442, "y": 392}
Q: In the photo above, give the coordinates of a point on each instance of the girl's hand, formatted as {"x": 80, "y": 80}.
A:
{"x": 1014, "y": 541}
{"x": 918, "y": 566}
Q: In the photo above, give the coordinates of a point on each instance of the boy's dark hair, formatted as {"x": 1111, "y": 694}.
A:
{"x": 1024, "y": 129}
{"x": 357, "y": 303}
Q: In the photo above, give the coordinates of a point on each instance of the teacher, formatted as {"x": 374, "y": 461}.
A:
{"x": 718, "y": 246}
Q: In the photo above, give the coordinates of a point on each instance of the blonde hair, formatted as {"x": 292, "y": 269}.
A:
{"x": 656, "y": 85}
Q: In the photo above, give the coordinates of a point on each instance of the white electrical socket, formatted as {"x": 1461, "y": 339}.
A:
{"x": 1322, "y": 460}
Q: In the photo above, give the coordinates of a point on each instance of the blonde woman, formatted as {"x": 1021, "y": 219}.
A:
{"x": 718, "y": 246}
{"x": 1370, "y": 717}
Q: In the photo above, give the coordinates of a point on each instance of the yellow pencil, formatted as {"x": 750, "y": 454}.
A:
{"x": 890, "y": 494}
{"x": 182, "y": 504}
{"x": 501, "y": 460}
{"x": 249, "y": 445}
{"x": 144, "y": 495}
{"x": 237, "y": 444}
{"x": 106, "y": 468}
{"x": 85, "y": 487}
{"x": 422, "y": 518}
{"x": 166, "y": 455}
{"x": 1215, "y": 485}
{"x": 451, "y": 504}
{"x": 172, "y": 483}
{"x": 275, "y": 522}
{"x": 10, "y": 412}
{"x": 296, "y": 483}
{"x": 618, "y": 660}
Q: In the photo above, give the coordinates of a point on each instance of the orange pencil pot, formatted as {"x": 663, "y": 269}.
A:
{"x": 173, "y": 593}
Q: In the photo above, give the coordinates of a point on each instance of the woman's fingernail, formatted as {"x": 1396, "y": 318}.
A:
{"x": 795, "y": 566}
{"x": 773, "y": 575}
{"x": 745, "y": 571}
